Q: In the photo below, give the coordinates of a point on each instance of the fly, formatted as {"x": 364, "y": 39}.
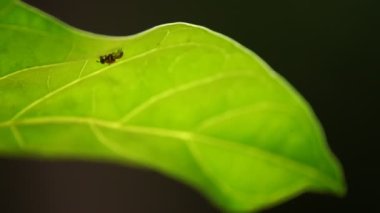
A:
{"x": 111, "y": 58}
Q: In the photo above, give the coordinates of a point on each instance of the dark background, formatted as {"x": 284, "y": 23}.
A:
{"x": 329, "y": 50}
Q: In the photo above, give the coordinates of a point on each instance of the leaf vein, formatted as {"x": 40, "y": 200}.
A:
{"x": 35, "y": 67}
{"x": 82, "y": 69}
{"x": 229, "y": 114}
{"x": 173, "y": 91}
{"x": 101, "y": 138}
{"x": 20, "y": 28}
{"x": 17, "y": 135}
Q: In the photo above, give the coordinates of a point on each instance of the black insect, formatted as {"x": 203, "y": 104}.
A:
{"x": 111, "y": 58}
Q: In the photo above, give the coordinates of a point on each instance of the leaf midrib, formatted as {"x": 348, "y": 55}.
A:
{"x": 257, "y": 152}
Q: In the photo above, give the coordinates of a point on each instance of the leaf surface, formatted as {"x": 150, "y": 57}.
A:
{"x": 183, "y": 100}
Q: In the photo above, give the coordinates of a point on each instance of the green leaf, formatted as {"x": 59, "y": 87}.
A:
{"x": 183, "y": 100}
